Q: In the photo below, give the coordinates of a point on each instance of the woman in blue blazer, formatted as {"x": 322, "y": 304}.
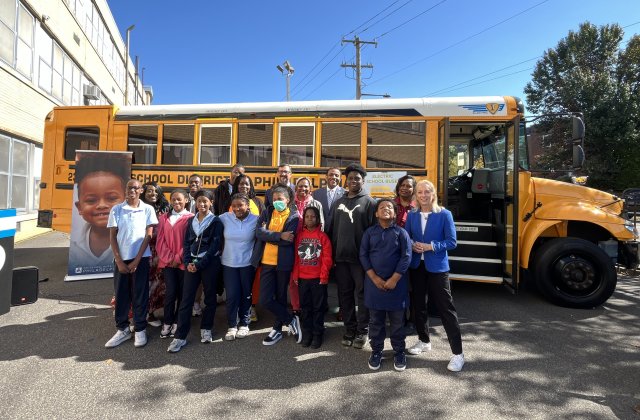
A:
{"x": 432, "y": 234}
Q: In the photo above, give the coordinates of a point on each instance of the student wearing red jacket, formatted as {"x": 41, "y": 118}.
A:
{"x": 170, "y": 247}
{"x": 311, "y": 272}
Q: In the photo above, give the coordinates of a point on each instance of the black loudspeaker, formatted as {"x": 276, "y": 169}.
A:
{"x": 24, "y": 288}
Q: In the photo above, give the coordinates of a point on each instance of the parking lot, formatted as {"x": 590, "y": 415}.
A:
{"x": 525, "y": 358}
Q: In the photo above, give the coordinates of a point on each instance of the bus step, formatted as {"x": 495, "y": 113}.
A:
{"x": 474, "y": 231}
{"x": 490, "y": 267}
{"x": 476, "y": 249}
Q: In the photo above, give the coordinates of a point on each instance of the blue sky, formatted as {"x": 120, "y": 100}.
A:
{"x": 209, "y": 51}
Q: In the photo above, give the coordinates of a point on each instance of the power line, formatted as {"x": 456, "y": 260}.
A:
{"x": 323, "y": 83}
{"x": 322, "y": 69}
{"x": 490, "y": 80}
{"x": 317, "y": 64}
{"x": 384, "y": 17}
{"x": 370, "y": 19}
{"x": 413, "y": 18}
{"x": 459, "y": 42}
{"x": 435, "y": 92}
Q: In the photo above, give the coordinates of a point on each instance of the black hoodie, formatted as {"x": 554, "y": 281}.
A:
{"x": 351, "y": 217}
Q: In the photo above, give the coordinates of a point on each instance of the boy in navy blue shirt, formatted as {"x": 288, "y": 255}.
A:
{"x": 385, "y": 254}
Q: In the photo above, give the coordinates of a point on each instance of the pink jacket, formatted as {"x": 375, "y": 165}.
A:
{"x": 170, "y": 239}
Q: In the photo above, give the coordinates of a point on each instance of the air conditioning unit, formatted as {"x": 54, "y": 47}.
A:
{"x": 91, "y": 92}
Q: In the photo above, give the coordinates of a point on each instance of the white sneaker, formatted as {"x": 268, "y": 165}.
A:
{"x": 176, "y": 345}
{"x": 243, "y": 332}
{"x": 118, "y": 338}
{"x": 231, "y": 334}
{"x": 419, "y": 347}
{"x": 206, "y": 336}
{"x": 197, "y": 310}
{"x": 456, "y": 363}
{"x": 153, "y": 321}
{"x": 174, "y": 328}
{"x": 141, "y": 338}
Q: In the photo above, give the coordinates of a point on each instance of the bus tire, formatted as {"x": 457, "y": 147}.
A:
{"x": 574, "y": 272}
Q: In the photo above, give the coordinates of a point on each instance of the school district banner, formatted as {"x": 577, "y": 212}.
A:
{"x": 100, "y": 179}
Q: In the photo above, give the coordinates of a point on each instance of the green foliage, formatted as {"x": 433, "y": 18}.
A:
{"x": 589, "y": 71}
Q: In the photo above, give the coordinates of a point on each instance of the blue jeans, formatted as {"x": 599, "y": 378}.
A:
{"x": 238, "y": 282}
{"x": 173, "y": 280}
{"x": 208, "y": 276}
{"x": 273, "y": 294}
{"x": 377, "y": 332}
{"x": 132, "y": 289}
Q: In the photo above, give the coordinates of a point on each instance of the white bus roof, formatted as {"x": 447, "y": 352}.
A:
{"x": 454, "y": 106}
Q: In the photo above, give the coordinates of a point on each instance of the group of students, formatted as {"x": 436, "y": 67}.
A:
{"x": 383, "y": 259}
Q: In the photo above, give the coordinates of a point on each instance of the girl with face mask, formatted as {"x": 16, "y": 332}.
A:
{"x": 274, "y": 254}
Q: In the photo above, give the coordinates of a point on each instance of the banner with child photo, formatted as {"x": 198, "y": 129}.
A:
{"x": 100, "y": 180}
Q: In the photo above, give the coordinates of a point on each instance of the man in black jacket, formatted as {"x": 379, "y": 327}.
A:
{"x": 222, "y": 193}
{"x": 353, "y": 213}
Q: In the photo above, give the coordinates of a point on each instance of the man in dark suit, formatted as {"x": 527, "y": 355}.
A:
{"x": 329, "y": 194}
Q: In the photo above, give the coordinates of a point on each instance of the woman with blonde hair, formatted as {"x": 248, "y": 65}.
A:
{"x": 432, "y": 234}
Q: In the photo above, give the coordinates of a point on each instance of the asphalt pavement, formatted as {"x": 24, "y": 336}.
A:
{"x": 525, "y": 358}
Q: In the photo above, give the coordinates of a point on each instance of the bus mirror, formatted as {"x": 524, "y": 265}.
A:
{"x": 578, "y": 129}
{"x": 578, "y": 155}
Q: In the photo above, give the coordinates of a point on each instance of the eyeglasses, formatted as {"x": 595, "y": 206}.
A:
{"x": 284, "y": 172}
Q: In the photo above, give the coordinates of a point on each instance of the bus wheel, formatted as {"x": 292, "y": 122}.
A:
{"x": 574, "y": 272}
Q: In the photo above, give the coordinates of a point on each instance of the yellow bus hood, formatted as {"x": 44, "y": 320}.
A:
{"x": 549, "y": 190}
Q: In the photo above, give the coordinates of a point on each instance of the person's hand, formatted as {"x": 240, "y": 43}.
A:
{"x": 427, "y": 247}
{"x": 390, "y": 284}
{"x": 417, "y": 247}
{"x": 191, "y": 267}
{"x": 122, "y": 267}
{"x": 378, "y": 281}
{"x": 324, "y": 281}
{"x": 133, "y": 265}
{"x": 287, "y": 236}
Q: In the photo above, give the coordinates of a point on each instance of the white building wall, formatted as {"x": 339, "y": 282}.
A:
{"x": 50, "y": 50}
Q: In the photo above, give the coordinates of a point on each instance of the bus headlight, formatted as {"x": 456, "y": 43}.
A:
{"x": 631, "y": 227}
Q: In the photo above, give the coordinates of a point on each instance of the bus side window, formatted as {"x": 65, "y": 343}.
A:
{"x": 80, "y": 138}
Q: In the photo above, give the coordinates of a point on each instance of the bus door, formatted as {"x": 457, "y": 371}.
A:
{"x": 443, "y": 161}
{"x": 76, "y": 129}
{"x": 510, "y": 263}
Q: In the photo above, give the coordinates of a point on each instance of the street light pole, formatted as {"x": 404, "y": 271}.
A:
{"x": 287, "y": 70}
{"x": 126, "y": 66}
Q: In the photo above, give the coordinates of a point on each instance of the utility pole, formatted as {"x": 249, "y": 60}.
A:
{"x": 356, "y": 42}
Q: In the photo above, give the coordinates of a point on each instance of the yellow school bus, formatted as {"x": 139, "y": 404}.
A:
{"x": 510, "y": 225}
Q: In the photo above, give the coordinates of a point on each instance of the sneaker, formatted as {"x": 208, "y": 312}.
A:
{"x": 176, "y": 345}
{"x": 153, "y": 321}
{"x": 456, "y": 363}
{"x": 294, "y": 328}
{"x": 165, "y": 332}
{"x": 316, "y": 342}
{"x": 197, "y": 310}
{"x": 140, "y": 339}
{"x": 400, "y": 361}
{"x": 174, "y": 328}
{"x": 254, "y": 314}
{"x": 119, "y": 337}
{"x": 206, "y": 336}
{"x": 360, "y": 341}
{"x": 347, "y": 339}
{"x": 375, "y": 360}
{"x": 419, "y": 347}
{"x": 273, "y": 337}
{"x": 231, "y": 334}
{"x": 243, "y": 332}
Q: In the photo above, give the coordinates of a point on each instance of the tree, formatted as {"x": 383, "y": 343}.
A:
{"x": 590, "y": 72}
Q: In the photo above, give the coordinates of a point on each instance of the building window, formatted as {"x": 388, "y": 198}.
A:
{"x": 396, "y": 144}
{"x": 17, "y": 27}
{"x": 5, "y": 171}
{"x": 255, "y": 144}
{"x": 143, "y": 142}
{"x": 215, "y": 144}
{"x": 297, "y": 141}
{"x": 177, "y": 144}
{"x": 24, "y": 49}
{"x": 18, "y": 174}
{"x": 80, "y": 138}
{"x": 8, "y": 31}
{"x": 340, "y": 144}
